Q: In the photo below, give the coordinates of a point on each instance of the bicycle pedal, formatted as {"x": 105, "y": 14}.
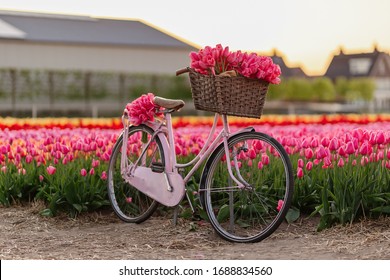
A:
{"x": 157, "y": 167}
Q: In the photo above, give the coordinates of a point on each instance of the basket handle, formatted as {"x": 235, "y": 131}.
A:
{"x": 182, "y": 71}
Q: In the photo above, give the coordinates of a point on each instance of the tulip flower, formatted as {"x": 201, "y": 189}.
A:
{"x": 103, "y": 176}
{"x": 83, "y": 172}
{"x": 51, "y": 170}
{"x": 309, "y": 165}
{"x": 280, "y": 205}
{"x": 340, "y": 163}
{"x": 299, "y": 172}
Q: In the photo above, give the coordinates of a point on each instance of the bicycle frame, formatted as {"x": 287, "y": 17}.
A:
{"x": 171, "y": 179}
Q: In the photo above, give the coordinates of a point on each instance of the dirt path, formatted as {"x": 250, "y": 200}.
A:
{"x": 24, "y": 234}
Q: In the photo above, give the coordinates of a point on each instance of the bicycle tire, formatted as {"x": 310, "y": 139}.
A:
{"x": 252, "y": 213}
{"x": 129, "y": 204}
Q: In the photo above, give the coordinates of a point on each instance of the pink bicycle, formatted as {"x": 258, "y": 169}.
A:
{"x": 246, "y": 186}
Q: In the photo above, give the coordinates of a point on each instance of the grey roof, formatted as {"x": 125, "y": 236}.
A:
{"x": 340, "y": 64}
{"x": 288, "y": 72}
{"x": 83, "y": 30}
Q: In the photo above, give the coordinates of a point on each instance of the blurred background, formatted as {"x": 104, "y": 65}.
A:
{"x": 89, "y": 58}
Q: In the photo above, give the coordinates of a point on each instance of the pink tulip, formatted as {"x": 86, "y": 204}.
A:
{"x": 64, "y": 149}
{"x": 252, "y": 153}
{"x": 380, "y": 138}
{"x": 280, "y": 205}
{"x": 327, "y": 161}
{"x": 92, "y": 171}
{"x": 4, "y": 169}
{"x": 40, "y": 178}
{"x": 364, "y": 149}
{"x": 305, "y": 143}
{"x": 334, "y": 144}
{"x": 265, "y": 159}
{"x": 325, "y": 141}
{"x": 22, "y": 171}
{"x": 299, "y": 172}
{"x": 309, "y": 165}
{"x": 29, "y": 159}
{"x": 51, "y": 170}
{"x": 129, "y": 199}
{"x": 83, "y": 172}
{"x": 300, "y": 163}
{"x": 341, "y": 151}
{"x": 309, "y": 153}
{"x": 340, "y": 163}
{"x": 106, "y": 156}
{"x": 257, "y": 145}
{"x": 320, "y": 152}
{"x": 314, "y": 143}
{"x": 260, "y": 165}
{"x": 195, "y": 150}
{"x": 104, "y": 176}
{"x": 350, "y": 149}
{"x": 95, "y": 163}
{"x": 364, "y": 161}
{"x": 177, "y": 150}
{"x": 3, "y": 150}
{"x": 100, "y": 142}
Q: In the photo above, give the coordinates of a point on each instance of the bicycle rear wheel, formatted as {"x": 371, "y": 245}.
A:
{"x": 253, "y": 212}
{"x": 129, "y": 204}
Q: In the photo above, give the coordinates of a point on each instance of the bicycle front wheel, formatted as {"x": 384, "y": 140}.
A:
{"x": 253, "y": 212}
{"x": 129, "y": 204}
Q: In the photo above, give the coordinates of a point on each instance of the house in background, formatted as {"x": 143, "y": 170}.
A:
{"x": 67, "y": 42}
{"x": 287, "y": 72}
{"x": 375, "y": 65}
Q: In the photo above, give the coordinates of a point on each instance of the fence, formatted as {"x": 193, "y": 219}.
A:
{"x": 45, "y": 92}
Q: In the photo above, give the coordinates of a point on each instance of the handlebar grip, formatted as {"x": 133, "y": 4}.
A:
{"x": 182, "y": 71}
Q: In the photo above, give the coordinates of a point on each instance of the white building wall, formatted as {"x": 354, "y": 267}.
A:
{"x": 26, "y": 55}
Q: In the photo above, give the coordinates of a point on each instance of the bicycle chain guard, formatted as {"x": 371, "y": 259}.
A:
{"x": 168, "y": 188}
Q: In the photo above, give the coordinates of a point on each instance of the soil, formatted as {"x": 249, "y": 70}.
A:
{"x": 25, "y": 234}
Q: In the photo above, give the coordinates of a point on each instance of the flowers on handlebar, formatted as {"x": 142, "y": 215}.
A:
{"x": 143, "y": 109}
{"x": 219, "y": 60}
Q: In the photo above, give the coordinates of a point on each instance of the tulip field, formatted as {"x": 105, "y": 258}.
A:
{"x": 341, "y": 162}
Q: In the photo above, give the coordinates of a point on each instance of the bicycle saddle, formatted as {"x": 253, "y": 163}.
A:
{"x": 175, "y": 104}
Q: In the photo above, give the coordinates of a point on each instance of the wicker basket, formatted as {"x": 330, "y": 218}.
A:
{"x": 235, "y": 96}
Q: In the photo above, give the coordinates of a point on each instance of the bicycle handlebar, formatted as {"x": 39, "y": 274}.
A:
{"x": 182, "y": 71}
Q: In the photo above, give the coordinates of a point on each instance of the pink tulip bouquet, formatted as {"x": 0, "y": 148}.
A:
{"x": 142, "y": 109}
{"x": 219, "y": 60}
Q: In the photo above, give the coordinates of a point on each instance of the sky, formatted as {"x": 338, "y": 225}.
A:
{"x": 306, "y": 33}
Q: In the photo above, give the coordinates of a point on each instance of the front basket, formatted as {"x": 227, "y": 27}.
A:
{"x": 235, "y": 96}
